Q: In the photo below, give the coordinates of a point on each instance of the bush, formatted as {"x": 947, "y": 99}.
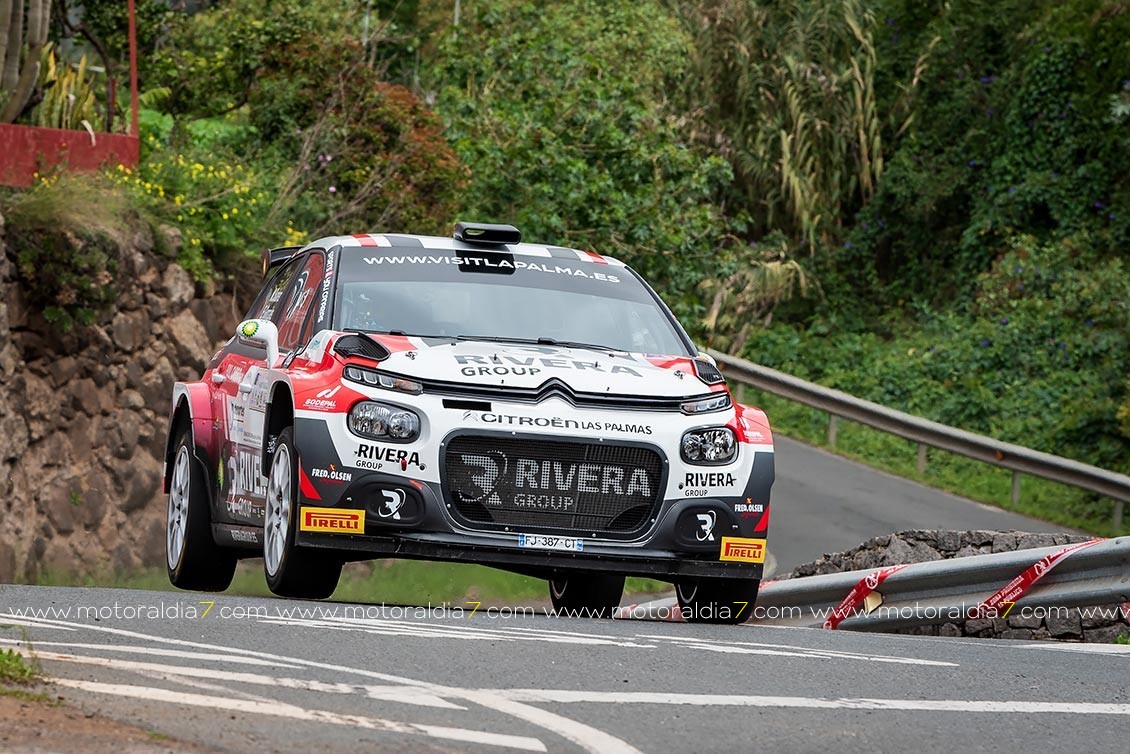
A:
{"x": 357, "y": 153}
{"x": 65, "y": 234}
{"x": 1039, "y": 359}
{"x": 559, "y": 111}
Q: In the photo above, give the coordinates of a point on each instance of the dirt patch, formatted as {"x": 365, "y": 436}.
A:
{"x": 30, "y": 726}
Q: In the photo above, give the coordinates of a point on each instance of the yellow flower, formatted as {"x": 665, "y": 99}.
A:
{"x": 225, "y": 215}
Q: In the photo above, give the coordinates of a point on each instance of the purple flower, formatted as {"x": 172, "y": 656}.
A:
{"x": 1004, "y": 320}
{"x": 1021, "y": 286}
{"x": 1098, "y": 205}
{"x": 1090, "y": 323}
{"x": 847, "y": 244}
{"x": 1017, "y": 268}
{"x": 973, "y": 163}
{"x": 1110, "y": 216}
{"x": 988, "y": 79}
{"x": 1055, "y": 175}
{"x": 984, "y": 342}
{"x": 1062, "y": 346}
{"x": 333, "y": 189}
{"x": 1012, "y": 189}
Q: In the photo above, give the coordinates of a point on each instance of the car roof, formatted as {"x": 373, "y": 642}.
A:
{"x": 407, "y": 242}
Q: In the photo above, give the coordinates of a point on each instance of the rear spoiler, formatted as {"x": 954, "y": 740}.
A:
{"x": 272, "y": 258}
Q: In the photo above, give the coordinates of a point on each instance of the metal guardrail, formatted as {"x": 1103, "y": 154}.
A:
{"x": 930, "y": 434}
{"x": 920, "y": 593}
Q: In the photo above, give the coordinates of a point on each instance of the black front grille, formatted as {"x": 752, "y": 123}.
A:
{"x": 553, "y": 485}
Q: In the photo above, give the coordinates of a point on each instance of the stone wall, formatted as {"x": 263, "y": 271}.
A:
{"x": 83, "y": 416}
{"x": 1101, "y": 623}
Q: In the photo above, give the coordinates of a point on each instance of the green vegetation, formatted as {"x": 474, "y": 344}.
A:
{"x": 1124, "y": 639}
{"x": 924, "y": 204}
{"x": 14, "y": 668}
{"x": 388, "y": 581}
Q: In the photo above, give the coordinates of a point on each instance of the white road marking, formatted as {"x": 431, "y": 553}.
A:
{"x": 16, "y": 620}
{"x": 728, "y": 700}
{"x": 1102, "y": 649}
{"x": 135, "y": 650}
{"x": 174, "y": 672}
{"x": 786, "y": 650}
{"x": 587, "y": 737}
{"x": 453, "y": 631}
{"x": 293, "y": 712}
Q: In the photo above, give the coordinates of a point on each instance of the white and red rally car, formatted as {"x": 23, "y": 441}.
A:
{"x": 475, "y": 399}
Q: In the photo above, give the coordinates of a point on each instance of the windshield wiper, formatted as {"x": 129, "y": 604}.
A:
{"x": 541, "y": 342}
{"x": 398, "y": 333}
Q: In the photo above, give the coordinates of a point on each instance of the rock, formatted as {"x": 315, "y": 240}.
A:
{"x": 140, "y": 483}
{"x": 59, "y": 500}
{"x": 152, "y": 544}
{"x": 1024, "y": 621}
{"x": 899, "y": 552}
{"x": 1101, "y": 615}
{"x": 14, "y": 437}
{"x": 1004, "y": 543}
{"x": 157, "y": 386}
{"x": 1064, "y": 623}
{"x": 1015, "y": 633}
{"x": 178, "y": 287}
{"x": 1029, "y": 541}
{"x": 63, "y": 370}
{"x": 192, "y": 344}
{"x": 948, "y": 541}
{"x": 7, "y": 563}
{"x": 1106, "y": 635}
{"x": 977, "y": 626}
{"x": 949, "y": 629}
{"x": 120, "y": 434}
{"x": 132, "y": 399}
{"x": 129, "y": 330}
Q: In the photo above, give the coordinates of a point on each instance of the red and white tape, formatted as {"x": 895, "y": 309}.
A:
{"x": 858, "y": 594}
{"x": 1011, "y": 592}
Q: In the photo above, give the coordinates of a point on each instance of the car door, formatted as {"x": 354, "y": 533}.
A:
{"x": 239, "y": 395}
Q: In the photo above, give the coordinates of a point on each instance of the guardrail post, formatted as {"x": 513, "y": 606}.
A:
{"x": 831, "y": 430}
{"x": 739, "y": 392}
{"x": 1015, "y": 487}
{"x": 1117, "y": 519}
{"x": 921, "y": 459}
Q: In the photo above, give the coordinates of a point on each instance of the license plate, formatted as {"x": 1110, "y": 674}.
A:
{"x": 543, "y": 542}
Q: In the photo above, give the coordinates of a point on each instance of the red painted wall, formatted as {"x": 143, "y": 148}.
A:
{"x": 26, "y": 150}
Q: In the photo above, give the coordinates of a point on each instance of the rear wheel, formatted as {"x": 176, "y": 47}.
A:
{"x": 727, "y": 601}
{"x": 193, "y": 559}
{"x": 291, "y": 571}
{"x": 587, "y": 595}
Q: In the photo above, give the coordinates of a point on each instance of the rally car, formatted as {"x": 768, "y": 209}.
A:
{"x": 472, "y": 399}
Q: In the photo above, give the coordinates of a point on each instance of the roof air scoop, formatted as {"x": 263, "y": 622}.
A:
{"x": 485, "y": 234}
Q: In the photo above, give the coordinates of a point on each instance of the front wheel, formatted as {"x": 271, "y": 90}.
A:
{"x": 290, "y": 571}
{"x": 726, "y": 601}
{"x": 192, "y": 557}
{"x": 588, "y": 595}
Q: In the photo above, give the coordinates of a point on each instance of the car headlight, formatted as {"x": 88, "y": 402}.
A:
{"x": 382, "y": 422}
{"x": 380, "y": 379}
{"x": 715, "y": 402}
{"x": 709, "y": 447}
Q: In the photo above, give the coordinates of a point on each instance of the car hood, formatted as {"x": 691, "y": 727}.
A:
{"x": 530, "y": 366}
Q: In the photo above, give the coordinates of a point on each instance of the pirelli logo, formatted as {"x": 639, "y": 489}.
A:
{"x": 333, "y": 520}
{"x": 743, "y": 550}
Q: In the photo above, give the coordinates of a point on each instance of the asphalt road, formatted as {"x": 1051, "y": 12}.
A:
{"x": 273, "y": 675}
{"x": 825, "y": 503}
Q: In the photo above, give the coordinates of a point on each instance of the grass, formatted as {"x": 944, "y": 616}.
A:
{"x": 15, "y": 669}
{"x": 1123, "y": 639}
{"x": 383, "y": 581}
{"x": 1039, "y": 498}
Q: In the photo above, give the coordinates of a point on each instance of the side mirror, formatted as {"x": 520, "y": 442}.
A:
{"x": 262, "y": 333}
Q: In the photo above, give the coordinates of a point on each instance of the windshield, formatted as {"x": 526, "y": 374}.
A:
{"x": 495, "y": 294}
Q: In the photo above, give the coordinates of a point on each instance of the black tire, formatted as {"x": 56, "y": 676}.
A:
{"x": 586, "y": 595}
{"x": 192, "y": 558}
{"x": 724, "y": 601}
{"x": 298, "y": 573}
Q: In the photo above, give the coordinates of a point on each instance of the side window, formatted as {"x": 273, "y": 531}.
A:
{"x": 268, "y": 301}
{"x": 299, "y": 302}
